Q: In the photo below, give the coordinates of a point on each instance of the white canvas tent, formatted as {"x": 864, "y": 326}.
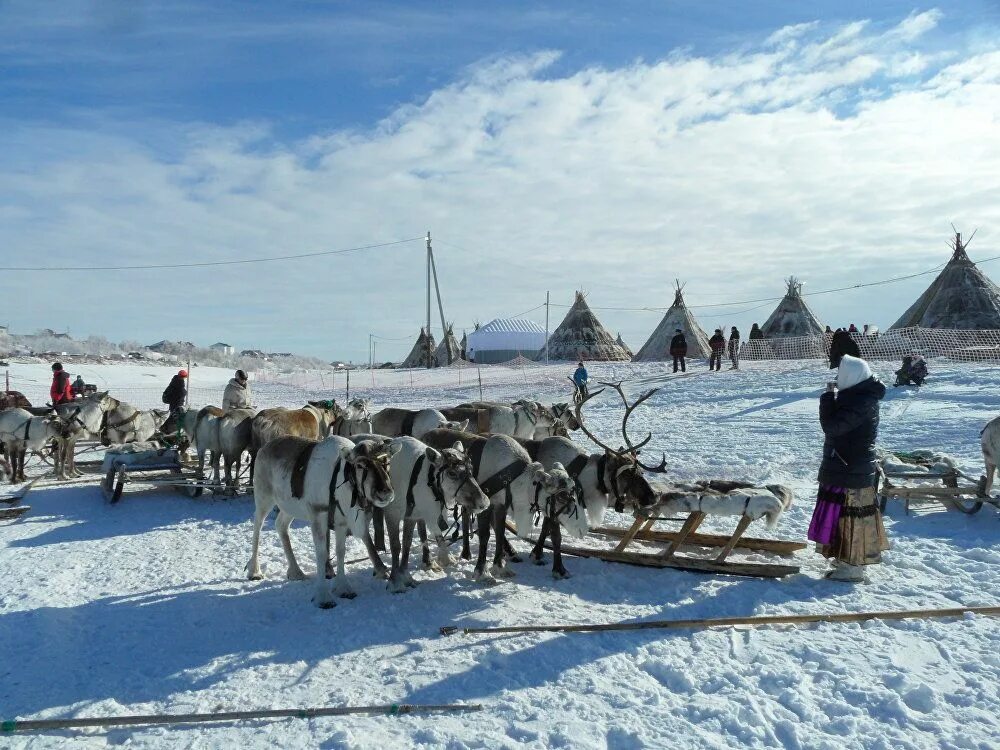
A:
{"x": 792, "y": 316}
{"x": 657, "y": 346}
{"x": 961, "y": 297}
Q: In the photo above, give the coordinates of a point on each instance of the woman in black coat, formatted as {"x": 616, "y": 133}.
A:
{"x": 846, "y": 523}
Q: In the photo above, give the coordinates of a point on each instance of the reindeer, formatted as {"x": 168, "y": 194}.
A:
{"x": 556, "y": 419}
{"x": 429, "y": 485}
{"x": 312, "y": 421}
{"x": 414, "y": 423}
{"x": 80, "y": 418}
{"x": 355, "y": 420}
{"x": 990, "y": 440}
{"x": 21, "y": 431}
{"x": 123, "y": 423}
{"x": 517, "y": 420}
{"x": 507, "y": 475}
{"x": 331, "y": 483}
{"x": 599, "y": 476}
{"x": 235, "y": 428}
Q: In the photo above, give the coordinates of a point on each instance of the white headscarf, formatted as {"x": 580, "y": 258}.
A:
{"x": 852, "y": 371}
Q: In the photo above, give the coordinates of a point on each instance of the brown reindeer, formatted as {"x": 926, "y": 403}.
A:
{"x": 312, "y": 421}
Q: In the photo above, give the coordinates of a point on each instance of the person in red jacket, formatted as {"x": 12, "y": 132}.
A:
{"x": 61, "y": 390}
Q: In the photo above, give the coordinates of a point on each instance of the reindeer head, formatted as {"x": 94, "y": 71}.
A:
{"x": 557, "y": 497}
{"x": 456, "y": 479}
{"x": 358, "y": 409}
{"x": 369, "y": 460}
{"x": 625, "y": 470}
{"x": 565, "y": 416}
{"x": 462, "y": 426}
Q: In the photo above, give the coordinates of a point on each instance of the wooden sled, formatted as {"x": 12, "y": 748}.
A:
{"x": 642, "y": 531}
{"x": 957, "y": 491}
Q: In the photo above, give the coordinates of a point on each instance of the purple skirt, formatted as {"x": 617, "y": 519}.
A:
{"x": 826, "y": 515}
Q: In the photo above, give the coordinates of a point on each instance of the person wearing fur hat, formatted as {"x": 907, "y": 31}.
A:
{"x": 237, "y": 393}
{"x": 846, "y": 523}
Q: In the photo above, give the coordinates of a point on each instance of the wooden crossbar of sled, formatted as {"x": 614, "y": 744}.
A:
{"x": 642, "y": 531}
{"x": 957, "y": 491}
{"x": 168, "y": 473}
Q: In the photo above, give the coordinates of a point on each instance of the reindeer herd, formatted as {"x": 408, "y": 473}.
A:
{"x": 351, "y": 471}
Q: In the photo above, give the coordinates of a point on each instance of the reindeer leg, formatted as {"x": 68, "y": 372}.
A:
{"x": 425, "y": 550}
{"x": 253, "y": 567}
{"x": 281, "y": 524}
{"x": 558, "y": 569}
{"x": 343, "y": 589}
{"x": 500, "y": 531}
{"x": 466, "y": 533}
{"x": 396, "y": 584}
{"x": 378, "y": 567}
{"x": 538, "y": 551}
{"x": 319, "y": 524}
{"x": 404, "y": 560}
{"x": 485, "y": 520}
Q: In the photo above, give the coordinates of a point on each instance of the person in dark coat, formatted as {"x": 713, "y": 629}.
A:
{"x": 756, "y": 333}
{"x": 734, "y": 348}
{"x": 61, "y": 389}
{"x": 78, "y": 386}
{"x": 717, "y": 344}
{"x": 679, "y": 350}
{"x": 846, "y": 523}
{"x": 174, "y": 397}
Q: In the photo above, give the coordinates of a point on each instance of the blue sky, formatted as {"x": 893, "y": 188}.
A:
{"x": 549, "y": 146}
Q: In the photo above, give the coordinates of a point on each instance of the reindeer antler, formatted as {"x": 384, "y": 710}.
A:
{"x": 578, "y": 410}
{"x": 632, "y": 447}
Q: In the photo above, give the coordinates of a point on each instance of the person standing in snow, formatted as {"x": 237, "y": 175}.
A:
{"x": 174, "y": 396}
{"x": 61, "y": 389}
{"x": 846, "y": 523}
{"x": 580, "y": 378}
{"x": 679, "y": 350}
{"x": 717, "y": 343}
{"x": 237, "y": 393}
{"x": 755, "y": 333}
{"x": 734, "y": 348}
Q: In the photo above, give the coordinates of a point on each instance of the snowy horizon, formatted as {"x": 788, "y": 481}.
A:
{"x": 545, "y": 147}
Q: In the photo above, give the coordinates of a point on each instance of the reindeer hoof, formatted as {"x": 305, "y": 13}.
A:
{"x": 560, "y": 575}
{"x": 515, "y": 558}
{"x": 326, "y": 604}
{"x": 501, "y": 572}
{"x": 540, "y": 560}
{"x": 255, "y": 577}
{"x": 347, "y": 595}
{"x": 296, "y": 575}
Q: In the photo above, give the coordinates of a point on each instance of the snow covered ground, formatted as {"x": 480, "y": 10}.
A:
{"x": 143, "y": 607}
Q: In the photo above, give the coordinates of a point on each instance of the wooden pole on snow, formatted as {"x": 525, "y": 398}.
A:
{"x": 758, "y": 620}
{"x": 395, "y": 709}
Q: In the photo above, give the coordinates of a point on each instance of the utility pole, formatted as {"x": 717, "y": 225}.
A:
{"x": 371, "y": 351}
{"x": 546, "y": 328}
{"x": 430, "y": 349}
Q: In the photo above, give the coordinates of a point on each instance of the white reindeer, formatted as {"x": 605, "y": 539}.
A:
{"x": 413, "y": 422}
{"x": 428, "y": 486}
{"x": 329, "y": 483}
{"x": 80, "y": 418}
{"x": 21, "y": 431}
{"x": 356, "y": 419}
{"x": 126, "y": 424}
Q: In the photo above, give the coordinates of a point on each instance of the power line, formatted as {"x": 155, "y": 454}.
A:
{"x": 765, "y": 300}
{"x": 205, "y": 264}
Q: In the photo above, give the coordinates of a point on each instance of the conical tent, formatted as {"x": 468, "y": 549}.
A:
{"x": 449, "y": 350}
{"x": 422, "y": 353}
{"x": 657, "y": 346}
{"x": 961, "y": 297}
{"x": 623, "y": 345}
{"x": 792, "y": 316}
{"x": 581, "y": 336}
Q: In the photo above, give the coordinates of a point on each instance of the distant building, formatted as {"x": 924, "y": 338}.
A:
{"x": 279, "y": 355}
{"x": 49, "y": 332}
{"x": 255, "y": 353}
{"x": 222, "y": 348}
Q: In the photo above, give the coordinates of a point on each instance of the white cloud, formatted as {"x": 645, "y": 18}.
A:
{"x": 840, "y": 157}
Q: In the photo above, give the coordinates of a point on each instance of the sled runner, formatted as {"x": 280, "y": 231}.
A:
{"x": 160, "y": 467}
{"x": 913, "y": 478}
